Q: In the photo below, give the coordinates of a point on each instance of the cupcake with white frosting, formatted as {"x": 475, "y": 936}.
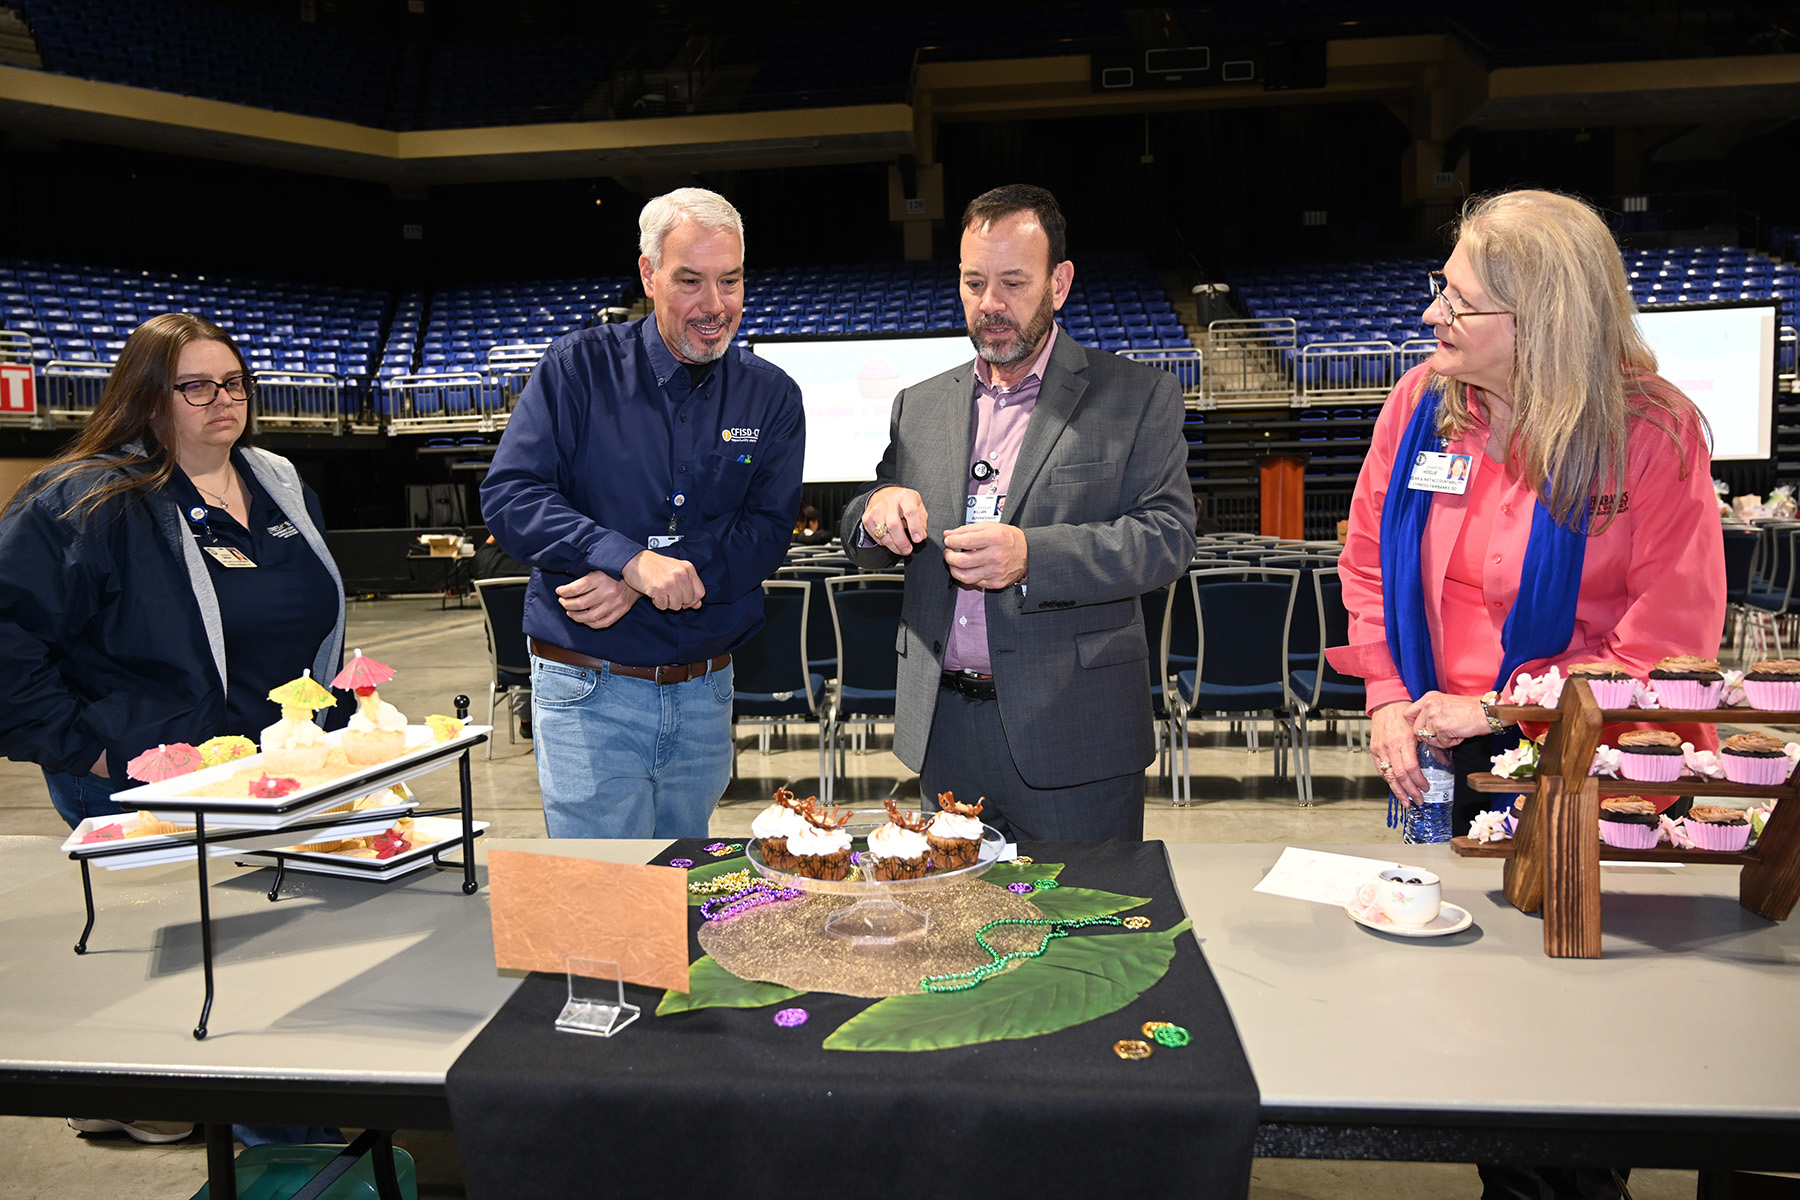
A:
{"x": 899, "y": 849}
{"x": 955, "y": 833}
{"x": 774, "y": 825}
{"x": 822, "y": 849}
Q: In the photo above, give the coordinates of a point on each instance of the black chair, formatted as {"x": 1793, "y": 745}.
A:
{"x": 865, "y": 617}
{"x": 1767, "y": 602}
{"x": 1241, "y": 673}
{"x": 1174, "y": 648}
{"x": 1740, "y": 561}
{"x": 771, "y": 684}
{"x": 1323, "y": 690}
{"x": 821, "y": 639}
{"x": 503, "y": 614}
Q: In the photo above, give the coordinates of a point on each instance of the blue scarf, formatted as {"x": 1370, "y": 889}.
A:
{"x": 1542, "y": 621}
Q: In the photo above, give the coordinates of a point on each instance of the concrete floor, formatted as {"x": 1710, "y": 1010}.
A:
{"x": 440, "y": 654}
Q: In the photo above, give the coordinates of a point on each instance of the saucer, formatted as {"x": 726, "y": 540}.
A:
{"x": 1450, "y": 919}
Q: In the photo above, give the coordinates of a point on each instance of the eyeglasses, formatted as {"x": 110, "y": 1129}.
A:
{"x": 1451, "y": 316}
{"x": 201, "y": 392}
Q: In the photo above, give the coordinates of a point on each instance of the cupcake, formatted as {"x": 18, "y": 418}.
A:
{"x": 294, "y": 745}
{"x": 1755, "y": 758}
{"x": 1773, "y": 684}
{"x": 772, "y": 827}
{"x": 1650, "y": 755}
{"x": 821, "y": 850}
{"x": 378, "y": 730}
{"x": 1686, "y": 681}
{"x": 899, "y": 849}
{"x": 955, "y": 833}
{"x": 1715, "y": 827}
{"x": 1628, "y": 822}
{"x": 1612, "y": 685}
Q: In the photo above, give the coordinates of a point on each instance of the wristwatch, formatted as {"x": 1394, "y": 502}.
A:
{"x": 1495, "y": 724}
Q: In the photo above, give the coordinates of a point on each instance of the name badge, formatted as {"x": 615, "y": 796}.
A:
{"x": 1436, "y": 472}
{"x": 985, "y": 507}
{"x": 228, "y": 556}
{"x": 668, "y": 539}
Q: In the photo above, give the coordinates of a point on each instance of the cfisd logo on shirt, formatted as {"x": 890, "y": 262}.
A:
{"x": 741, "y": 435}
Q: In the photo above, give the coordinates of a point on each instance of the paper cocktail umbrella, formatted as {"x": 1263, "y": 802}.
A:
{"x": 361, "y": 674}
{"x": 164, "y": 762}
{"x": 304, "y": 692}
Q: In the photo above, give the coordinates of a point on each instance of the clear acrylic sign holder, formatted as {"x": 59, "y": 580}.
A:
{"x": 596, "y": 1004}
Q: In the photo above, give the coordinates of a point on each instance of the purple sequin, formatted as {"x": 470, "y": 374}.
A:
{"x": 683, "y": 863}
{"x": 1019, "y": 889}
{"x": 715, "y": 847}
{"x": 856, "y": 858}
{"x": 787, "y": 1018}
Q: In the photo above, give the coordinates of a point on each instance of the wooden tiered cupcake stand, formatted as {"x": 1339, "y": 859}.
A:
{"x": 1553, "y": 858}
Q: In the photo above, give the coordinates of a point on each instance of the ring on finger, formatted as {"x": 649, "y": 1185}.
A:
{"x": 880, "y": 531}
{"x": 1424, "y": 733}
{"x": 1384, "y": 767}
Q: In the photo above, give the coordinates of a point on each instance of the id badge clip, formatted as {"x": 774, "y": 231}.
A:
{"x": 987, "y": 506}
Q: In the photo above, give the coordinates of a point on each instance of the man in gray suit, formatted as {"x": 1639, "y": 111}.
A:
{"x": 1033, "y": 494}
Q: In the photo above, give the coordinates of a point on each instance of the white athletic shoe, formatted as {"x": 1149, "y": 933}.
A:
{"x": 153, "y": 1133}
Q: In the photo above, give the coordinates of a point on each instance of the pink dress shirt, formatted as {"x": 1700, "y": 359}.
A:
{"x": 1652, "y": 584}
{"x": 1001, "y": 418}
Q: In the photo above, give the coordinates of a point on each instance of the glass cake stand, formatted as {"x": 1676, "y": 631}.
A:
{"x": 878, "y": 919}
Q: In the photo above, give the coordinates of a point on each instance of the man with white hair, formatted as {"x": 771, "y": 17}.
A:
{"x": 649, "y": 474}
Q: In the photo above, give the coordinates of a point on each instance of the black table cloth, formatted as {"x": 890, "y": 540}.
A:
{"x": 724, "y": 1102}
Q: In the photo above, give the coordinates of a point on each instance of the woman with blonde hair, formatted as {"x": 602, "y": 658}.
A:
{"x": 1586, "y": 529}
{"x": 159, "y": 576}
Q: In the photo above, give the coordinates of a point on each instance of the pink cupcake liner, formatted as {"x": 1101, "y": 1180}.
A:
{"x": 1772, "y": 696}
{"x": 1652, "y": 768}
{"x": 1613, "y": 693}
{"x": 1708, "y": 836}
{"x": 1627, "y": 836}
{"x": 1687, "y": 693}
{"x": 1763, "y": 771}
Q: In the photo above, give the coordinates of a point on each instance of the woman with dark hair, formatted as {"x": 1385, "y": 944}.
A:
{"x": 160, "y": 575}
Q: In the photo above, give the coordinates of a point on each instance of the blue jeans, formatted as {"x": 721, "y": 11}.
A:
{"x": 80, "y": 796}
{"x": 624, "y": 758}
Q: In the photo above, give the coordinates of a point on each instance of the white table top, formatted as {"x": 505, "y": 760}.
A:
{"x": 1686, "y": 1013}
{"x": 350, "y": 981}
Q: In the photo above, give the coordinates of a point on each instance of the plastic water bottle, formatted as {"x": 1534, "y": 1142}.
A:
{"x": 1430, "y": 821}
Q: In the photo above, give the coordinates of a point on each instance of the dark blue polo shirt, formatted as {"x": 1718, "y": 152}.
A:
{"x": 612, "y": 443}
{"x": 274, "y": 614}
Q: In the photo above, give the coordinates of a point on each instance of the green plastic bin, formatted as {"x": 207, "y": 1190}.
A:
{"x": 276, "y": 1172}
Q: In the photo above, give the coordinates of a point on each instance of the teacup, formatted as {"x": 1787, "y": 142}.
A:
{"x": 1404, "y": 895}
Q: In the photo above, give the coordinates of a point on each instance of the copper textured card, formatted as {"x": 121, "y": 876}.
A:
{"x": 548, "y": 909}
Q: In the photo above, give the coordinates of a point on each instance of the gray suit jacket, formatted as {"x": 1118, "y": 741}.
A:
{"x": 1101, "y": 489}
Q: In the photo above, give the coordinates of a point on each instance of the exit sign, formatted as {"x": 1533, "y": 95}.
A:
{"x": 18, "y": 390}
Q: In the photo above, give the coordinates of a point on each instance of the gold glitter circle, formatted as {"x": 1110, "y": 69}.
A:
{"x": 1130, "y": 1048}
{"x": 1150, "y": 1027}
{"x": 1136, "y": 922}
{"x": 1024, "y": 860}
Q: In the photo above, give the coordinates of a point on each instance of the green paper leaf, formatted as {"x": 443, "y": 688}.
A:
{"x": 712, "y": 986}
{"x": 702, "y": 872}
{"x": 1004, "y": 873}
{"x": 1075, "y": 904}
{"x": 1076, "y": 980}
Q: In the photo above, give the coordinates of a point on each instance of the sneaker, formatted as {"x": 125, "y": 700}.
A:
{"x": 153, "y": 1133}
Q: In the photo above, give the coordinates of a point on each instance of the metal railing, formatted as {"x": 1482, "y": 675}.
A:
{"x": 15, "y": 345}
{"x": 460, "y": 401}
{"x": 1188, "y": 367}
{"x": 1346, "y": 372}
{"x": 299, "y": 400}
{"x": 1250, "y": 363}
{"x": 1787, "y": 368}
{"x": 71, "y": 388}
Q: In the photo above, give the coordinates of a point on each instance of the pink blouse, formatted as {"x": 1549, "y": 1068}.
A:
{"x": 1652, "y": 583}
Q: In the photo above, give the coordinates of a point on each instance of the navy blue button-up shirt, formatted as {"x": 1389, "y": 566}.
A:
{"x": 605, "y": 439}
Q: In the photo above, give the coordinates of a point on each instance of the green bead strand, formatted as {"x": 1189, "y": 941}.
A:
{"x": 962, "y": 981}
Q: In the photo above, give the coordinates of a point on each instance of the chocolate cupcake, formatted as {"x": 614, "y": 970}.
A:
{"x": 1612, "y": 685}
{"x": 1687, "y": 681}
{"x": 1774, "y": 684}
{"x": 1715, "y": 827}
{"x": 1628, "y": 822}
{"x": 1755, "y": 758}
{"x": 772, "y": 827}
{"x": 1650, "y": 755}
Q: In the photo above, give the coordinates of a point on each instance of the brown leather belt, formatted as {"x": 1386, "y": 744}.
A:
{"x": 660, "y": 676}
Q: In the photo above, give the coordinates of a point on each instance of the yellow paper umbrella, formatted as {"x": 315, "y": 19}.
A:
{"x": 304, "y": 692}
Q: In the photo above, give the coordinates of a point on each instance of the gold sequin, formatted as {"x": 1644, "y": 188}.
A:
{"x": 1024, "y": 861}
{"x": 1150, "y": 1027}
{"x": 1131, "y": 1048}
{"x": 1136, "y": 922}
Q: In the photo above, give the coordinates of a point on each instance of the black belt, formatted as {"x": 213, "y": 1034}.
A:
{"x": 967, "y": 683}
{"x": 661, "y": 676}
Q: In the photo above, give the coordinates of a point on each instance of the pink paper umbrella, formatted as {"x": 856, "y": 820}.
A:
{"x": 164, "y": 762}
{"x": 361, "y": 673}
